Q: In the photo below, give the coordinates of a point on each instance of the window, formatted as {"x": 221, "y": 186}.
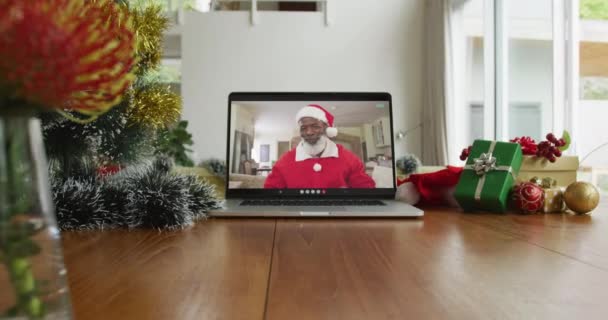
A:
{"x": 513, "y": 69}
{"x": 593, "y": 50}
{"x": 525, "y": 119}
{"x": 593, "y": 91}
{"x": 265, "y": 5}
{"x": 530, "y": 68}
{"x": 469, "y": 53}
{"x": 533, "y": 67}
{"x": 476, "y": 116}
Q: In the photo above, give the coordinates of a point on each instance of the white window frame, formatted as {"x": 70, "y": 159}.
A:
{"x": 501, "y": 70}
{"x": 565, "y": 44}
{"x": 489, "y": 60}
{"x": 572, "y": 73}
{"x": 559, "y": 66}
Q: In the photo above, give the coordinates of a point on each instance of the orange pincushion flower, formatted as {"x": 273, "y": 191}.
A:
{"x": 66, "y": 54}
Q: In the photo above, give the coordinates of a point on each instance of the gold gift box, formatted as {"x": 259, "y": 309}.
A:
{"x": 563, "y": 170}
{"x": 554, "y": 200}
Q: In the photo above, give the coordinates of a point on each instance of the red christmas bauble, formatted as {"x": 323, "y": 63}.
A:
{"x": 528, "y": 197}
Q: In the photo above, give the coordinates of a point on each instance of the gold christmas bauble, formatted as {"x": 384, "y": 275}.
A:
{"x": 581, "y": 197}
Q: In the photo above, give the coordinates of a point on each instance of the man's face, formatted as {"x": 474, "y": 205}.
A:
{"x": 311, "y": 129}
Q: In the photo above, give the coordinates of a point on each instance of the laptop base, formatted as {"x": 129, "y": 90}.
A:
{"x": 393, "y": 208}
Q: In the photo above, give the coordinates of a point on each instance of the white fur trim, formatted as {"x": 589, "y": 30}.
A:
{"x": 331, "y": 151}
{"x": 331, "y": 132}
{"x": 312, "y": 112}
{"x": 408, "y": 193}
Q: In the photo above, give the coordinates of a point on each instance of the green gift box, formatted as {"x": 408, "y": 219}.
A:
{"x": 488, "y": 176}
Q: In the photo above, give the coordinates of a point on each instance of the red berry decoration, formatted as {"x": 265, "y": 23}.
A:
{"x": 465, "y": 153}
{"x": 557, "y": 153}
{"x": 528, "y": 145}
{"x": 528, "y": 197}
{"x": 548, "y": 149}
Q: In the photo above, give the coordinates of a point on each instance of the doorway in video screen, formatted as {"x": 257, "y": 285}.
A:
{"x": 266, "y": 142}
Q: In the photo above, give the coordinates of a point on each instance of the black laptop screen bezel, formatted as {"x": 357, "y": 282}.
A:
{"x": 343, "y": 193}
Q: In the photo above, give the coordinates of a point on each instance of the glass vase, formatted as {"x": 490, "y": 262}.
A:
{"x": 32, "y": 273}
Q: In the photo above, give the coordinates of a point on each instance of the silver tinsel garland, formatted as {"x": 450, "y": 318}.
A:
{"x": 149, "y": 196}
{"x": 82, "y": 204}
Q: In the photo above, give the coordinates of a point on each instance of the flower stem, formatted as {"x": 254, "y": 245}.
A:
{"x": 16, "y": 244}
{"x": 22, "y": 277}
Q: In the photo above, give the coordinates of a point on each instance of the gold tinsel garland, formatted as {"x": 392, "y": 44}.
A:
{"x": 150, "y": 23}
{"x": 154, "y": 106}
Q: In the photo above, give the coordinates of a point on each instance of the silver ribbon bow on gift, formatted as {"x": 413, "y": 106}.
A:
{"x": 484, "y": 164}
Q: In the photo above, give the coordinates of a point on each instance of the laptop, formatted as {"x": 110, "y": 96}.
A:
{"x": 311, "y": 155}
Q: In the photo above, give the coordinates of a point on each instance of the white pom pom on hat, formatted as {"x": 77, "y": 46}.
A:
{"x": 317, "y": 112}
{"x": 331, "y": 132}
{"x": 408, "y": 193}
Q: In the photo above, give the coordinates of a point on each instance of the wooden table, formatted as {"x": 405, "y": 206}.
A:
{"x": 448, "y": 265}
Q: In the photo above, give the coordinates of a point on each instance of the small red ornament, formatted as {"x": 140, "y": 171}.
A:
{"x": 108, "y": 170}
{"x": 528, "y": 197}
{"x": 528, "y": 145}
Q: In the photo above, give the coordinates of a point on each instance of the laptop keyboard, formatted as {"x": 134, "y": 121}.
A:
{"x": 324, "y": 202}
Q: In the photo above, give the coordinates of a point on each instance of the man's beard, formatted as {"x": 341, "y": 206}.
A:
{"x": 317, "y": 148}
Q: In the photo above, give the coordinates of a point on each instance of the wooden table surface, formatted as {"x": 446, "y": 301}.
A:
{"x": 447, "y": 265}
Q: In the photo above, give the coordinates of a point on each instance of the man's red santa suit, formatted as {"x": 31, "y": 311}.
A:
{"x": 335, "y": 167}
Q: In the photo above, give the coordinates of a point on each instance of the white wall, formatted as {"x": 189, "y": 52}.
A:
{"x": 371, "y": 46}
{"x": 272, "y": 140}
{"x": 369, "y": 137}
{"x": 243, "y": 121}
{"x": 353, "y": 131}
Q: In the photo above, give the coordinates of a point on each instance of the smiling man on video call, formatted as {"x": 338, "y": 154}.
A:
{"x": 318, "y": 162}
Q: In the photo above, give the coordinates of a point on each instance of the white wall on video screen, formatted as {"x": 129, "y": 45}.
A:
{"x": 241, "y": 138}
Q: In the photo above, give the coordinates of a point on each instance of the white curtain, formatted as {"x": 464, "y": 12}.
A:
{"x": 438, "y": 92}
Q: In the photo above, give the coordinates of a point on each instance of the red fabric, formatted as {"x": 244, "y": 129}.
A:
{"x": 433, "y": 186}
{"x": 347, "y": 171}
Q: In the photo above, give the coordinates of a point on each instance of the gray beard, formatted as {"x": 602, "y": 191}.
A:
{"x": 315, "y": 149}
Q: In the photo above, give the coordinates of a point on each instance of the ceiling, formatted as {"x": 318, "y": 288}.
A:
{"x": 279, "y": 116}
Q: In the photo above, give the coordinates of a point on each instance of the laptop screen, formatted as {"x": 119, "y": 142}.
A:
{"x": 310, "y": 144}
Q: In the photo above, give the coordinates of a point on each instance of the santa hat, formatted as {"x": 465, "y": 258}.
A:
{"x": 317, "y": 112}
{"x": 435, "y": 188}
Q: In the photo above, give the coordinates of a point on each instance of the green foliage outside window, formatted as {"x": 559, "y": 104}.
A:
{"x": 167, "y": 5}
{"x": 594, "y": 9}
{"x": 594, "y": 88}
